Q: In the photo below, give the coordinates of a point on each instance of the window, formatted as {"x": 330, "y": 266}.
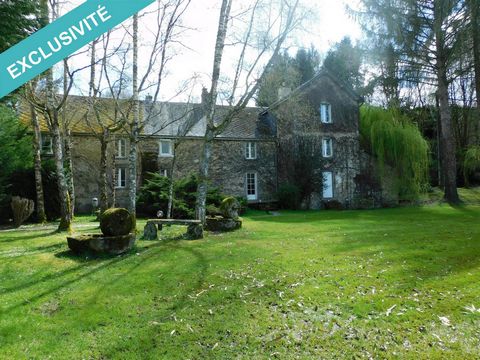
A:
{"x": 166, "y": 148}
{"x": 164, "y": 172}
{"x": 325, "y": 113}
{"x": 250, "y": 150}
{"x": 251, "y": 186}
{"x": 121, "y": 178}
{"x": 121, "y": 149}
{"x": 327, "y": 184}
{"x": 327, "y": 147}
{"x": 46, "y": 144}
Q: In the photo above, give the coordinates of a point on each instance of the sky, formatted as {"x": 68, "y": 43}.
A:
{"x": 328, "y": 25}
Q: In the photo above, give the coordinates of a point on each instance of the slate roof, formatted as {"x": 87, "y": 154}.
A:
{"x": 76, "y": 114}
{"x": 180, "y": 119}
{"x": 164, "y": 119}
{"x": 323, "y": 72}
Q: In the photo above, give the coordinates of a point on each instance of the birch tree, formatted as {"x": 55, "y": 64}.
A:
{"x": 37, "y": 162}
{"x": 268, "y": 24}
{"x": 50, "y": 105}
{"x": 148, "y": 70}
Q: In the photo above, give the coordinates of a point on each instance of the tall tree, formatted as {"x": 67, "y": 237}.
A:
{"x": 37, "y": 157}
{"x": 282, "y": 73}
{"x": 19, "y": 19}
{"x": 125, "y": 85}
{"x": 287, "y": 72}
{"x": 428, "y": 36}
{"x": 50, "y": 105}
{"x": 307, "y": 62}
{"x": 345, "y": 60}
{"x": 280, "y": 19}
{"x": 474, "y": 10}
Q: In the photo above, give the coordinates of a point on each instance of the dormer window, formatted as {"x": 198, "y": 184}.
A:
{"x": 325, "y": 113}
{"x": 121, "y": 149}
{"x": 250, "y": 150}
{"x": 327, "y": 147}
{"x": 46, "y": 144}
{"x": 166, "y": 148}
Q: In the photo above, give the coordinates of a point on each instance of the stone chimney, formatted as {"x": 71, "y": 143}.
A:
{"x": 205, "y": 96}
{"x": 283, "y": 92}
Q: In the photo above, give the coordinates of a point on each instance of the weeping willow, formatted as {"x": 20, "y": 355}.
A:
{"x": 471, "y": 163}
{"x": 395, "y": 141}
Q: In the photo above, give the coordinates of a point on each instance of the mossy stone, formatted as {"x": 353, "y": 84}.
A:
{"x": 229, "y": 208}
{"x": 116, "y": 222}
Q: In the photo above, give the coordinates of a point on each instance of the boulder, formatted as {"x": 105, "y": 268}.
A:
{"x": 99, "y": 243}
{"x": 222, "y": 224}
{"x": 116, "y": 222}
{"x": 150, "y": 231}
{"x": 229, "y": 208}
{"x": 194, "y": 232}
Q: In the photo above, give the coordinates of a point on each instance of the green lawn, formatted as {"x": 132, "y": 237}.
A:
{"x": 353, "y": 284}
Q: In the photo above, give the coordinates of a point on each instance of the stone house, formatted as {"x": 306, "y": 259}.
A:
{"x": 249, "y": 157}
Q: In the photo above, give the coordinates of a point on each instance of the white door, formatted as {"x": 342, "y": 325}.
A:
{"x": 251, "y": 186}
{"x": 327, "y": 185}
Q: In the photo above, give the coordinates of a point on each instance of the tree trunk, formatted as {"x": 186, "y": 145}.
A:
{"x": 209, "y": 108}
{"x": 69, "y": 170}
{"x": 113, "y": 200}
{"x": 474, "y": 14}
{"x": 132, "y": 168}
{"x": 171, "y": 188}
{"x": 201, "y": 206}
{"x": 41, "y": 217}
{"x": 65, "y": 207}
{"x": 449, "y": 163}
{"x": 103, "y": 172}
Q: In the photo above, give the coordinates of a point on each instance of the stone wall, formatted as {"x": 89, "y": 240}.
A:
{"x": 227, "y": 170}
{"x": 299, "y": 118}
{"x": 228, "y": 166}
{"x": 86, "y": 165}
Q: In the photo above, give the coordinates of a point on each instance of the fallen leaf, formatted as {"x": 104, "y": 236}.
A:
{"x": 389, "y": 310}
{"x": 445, "y": 321}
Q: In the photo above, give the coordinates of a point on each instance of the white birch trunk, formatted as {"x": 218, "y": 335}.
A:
{"x": 132, "y": 166}
{"x": 41, "y": 217}
{"x": 210, "y": 112}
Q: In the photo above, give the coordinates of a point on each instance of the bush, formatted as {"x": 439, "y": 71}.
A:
{"x": 212, "y": 210}
{"x": 153, "y": 196}
{"x": 471, "y": 162}
{"x": 289, "y": 196}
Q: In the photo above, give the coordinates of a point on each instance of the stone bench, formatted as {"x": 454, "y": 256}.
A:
{"x": 194, "y": 230}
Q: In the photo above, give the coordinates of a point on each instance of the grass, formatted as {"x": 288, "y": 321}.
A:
{"x": 353, "y": 284}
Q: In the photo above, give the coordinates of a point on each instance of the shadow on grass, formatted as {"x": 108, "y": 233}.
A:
{"x": 183, "y": 300}
{"x": 4, "y": 255}
{"x": 30, "y": 236}
{"x": 420, "y": 243}
{"x": 106, "y": 262}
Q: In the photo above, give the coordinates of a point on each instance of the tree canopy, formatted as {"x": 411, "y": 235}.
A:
{"x": 18, "y": 20}
{"x": 15, "y": 148}
{"x": 288, "y": 71}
